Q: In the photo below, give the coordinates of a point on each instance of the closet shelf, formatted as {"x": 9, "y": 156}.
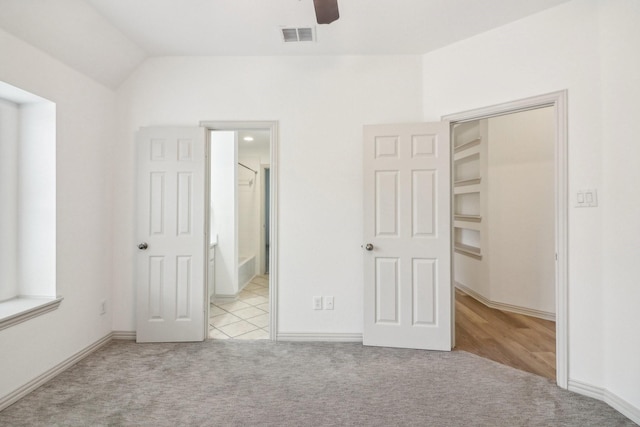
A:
{"x": 467, "y": 218}
{"x": 471, "y": 251}
{"x": 470, "y": 152}
{"x": 466, "y": 189}
{"x": 476, "y": 226}
{"x": 467, "y": 145}
{"x": 466, "y": 182}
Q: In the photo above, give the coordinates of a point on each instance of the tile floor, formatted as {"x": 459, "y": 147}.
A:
{"x": 244, "y": 319}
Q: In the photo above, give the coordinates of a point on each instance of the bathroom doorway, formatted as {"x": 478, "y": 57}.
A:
{"x": 241, "y": 229}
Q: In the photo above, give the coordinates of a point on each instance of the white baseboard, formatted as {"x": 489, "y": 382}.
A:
{"x": 124, "y": 335}
{"x": 246, "y": 283}
{"x": 42, "y": 379}
{"x": 506, "y": 307}
{"x": 325, "y": 337}
{"x": 586, "y": 389}
{"x": 611, "y": 399}
{"x": 224, "y": 299}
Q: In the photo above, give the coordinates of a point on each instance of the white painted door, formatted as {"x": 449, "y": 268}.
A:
{"x": 170, "y": 275}
{"x": 407, "y": 236}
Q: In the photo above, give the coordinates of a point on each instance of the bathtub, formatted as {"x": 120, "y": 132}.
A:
{"x": 246, "y": 270}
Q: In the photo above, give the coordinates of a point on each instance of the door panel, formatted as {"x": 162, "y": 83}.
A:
{"x": 407, "y": 221}
{"x": 387, "y": 290}
{"x": 422, "y": 201}
{"x": 170, "y": 221}
{"x": 424, "y": 291}
{"x": 387, "y": 208}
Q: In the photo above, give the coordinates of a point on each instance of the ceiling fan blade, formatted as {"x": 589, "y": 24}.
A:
{"x": 326, "y": 11}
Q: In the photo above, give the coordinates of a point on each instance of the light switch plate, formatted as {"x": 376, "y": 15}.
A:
{"x": 586, "y": 198}
{"x": 591, "y": 197}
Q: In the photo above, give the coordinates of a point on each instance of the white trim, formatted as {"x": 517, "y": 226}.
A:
{"x": 48, "y": 375}
{"x": 224, "y": 299}
{"x": 506, "y": 307}
{"x": 611, "y": 399}
{"x": 273, "y": 127}
{"x": 274, "y": 173}
{"x": 124, "y": 335}
{"x": 320, "y": 337}
{"x": 263, "y": 253}
{"x": 586, "y": 389}
{"x": 558, "y": 100}
{"x": 37, "y": 306}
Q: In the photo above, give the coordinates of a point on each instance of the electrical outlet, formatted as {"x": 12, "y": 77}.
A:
{"x": 103, "y": 307}
{"x": 317, "y": 303}
{"x": 586, "y": 198}
{"x": 328, "y": 303}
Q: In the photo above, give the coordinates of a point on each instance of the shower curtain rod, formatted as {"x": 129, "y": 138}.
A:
{"x": 247, "y": 167}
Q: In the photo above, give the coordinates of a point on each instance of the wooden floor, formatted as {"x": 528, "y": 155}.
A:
{"x": 523, "y": 342}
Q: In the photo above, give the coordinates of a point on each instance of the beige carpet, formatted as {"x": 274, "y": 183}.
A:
{"x": 231, "y": 383}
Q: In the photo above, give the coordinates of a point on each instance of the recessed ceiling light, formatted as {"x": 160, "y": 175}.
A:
{"x": 248, "y": 138}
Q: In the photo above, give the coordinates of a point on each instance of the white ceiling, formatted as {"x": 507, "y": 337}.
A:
{"x": 260, "y": 145}
{"x": 108, "y": 39}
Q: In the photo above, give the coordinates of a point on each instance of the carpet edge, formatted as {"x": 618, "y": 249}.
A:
{"x": 606, "y": 396}
{"x": 321, "y": 337}
{"x": 49, "y": 374}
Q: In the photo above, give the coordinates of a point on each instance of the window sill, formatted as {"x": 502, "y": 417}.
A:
{"x": 21, "y": 309}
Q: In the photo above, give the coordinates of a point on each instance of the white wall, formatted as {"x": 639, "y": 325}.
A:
{"x": 321, "y": 104}
{"x": 256, "y": 154}
{"x": 619, "y": 197}
{"x": 248, "y": 186}
{"x": 85, "y": 123}
{"x": 567, "y": 48}
{"x": 520, "y": 214}
{"x": 248, "y": 205}
{"x": 9, "y": 199}
{"x": 223, "y": 207}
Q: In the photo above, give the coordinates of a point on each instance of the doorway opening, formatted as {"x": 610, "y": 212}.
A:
{"x": 509, "y": 234}
{"x": 241, "y": 271}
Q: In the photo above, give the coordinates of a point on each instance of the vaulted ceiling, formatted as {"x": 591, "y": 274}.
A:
{"x": 108, "y": 39}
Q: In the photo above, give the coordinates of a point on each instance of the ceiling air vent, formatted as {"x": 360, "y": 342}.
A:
{"x": 301, "y": 34}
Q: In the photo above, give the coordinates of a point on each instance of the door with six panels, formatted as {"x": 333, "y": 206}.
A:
{"x": 170, "y": 267}
{"x": 407, "y": 236}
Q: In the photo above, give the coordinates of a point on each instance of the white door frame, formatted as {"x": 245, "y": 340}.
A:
{"x": 557, "y": 100}
{"x": 272, "y": 126}
{"x": 263, "y": 232}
